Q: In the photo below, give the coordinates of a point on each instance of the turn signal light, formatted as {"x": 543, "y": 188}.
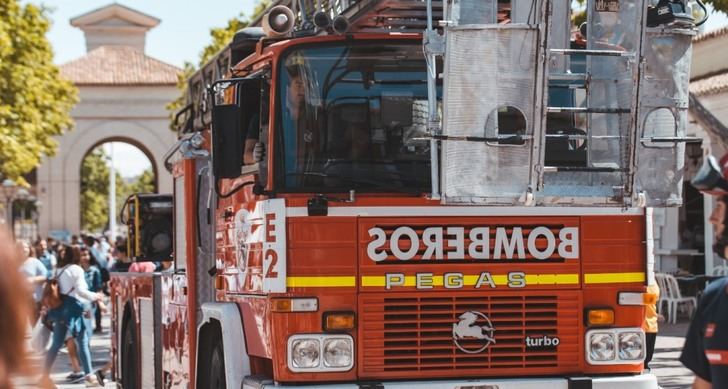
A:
{"x": 634, "y": 298}
{"x": 600, "y": 317}
{"x": 339, "y": 321}
{"x": 220, "y": 283}
{"x": 294, "y": 305}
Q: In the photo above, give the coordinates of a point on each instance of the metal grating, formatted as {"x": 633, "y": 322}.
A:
{"x": 410, "y": 334}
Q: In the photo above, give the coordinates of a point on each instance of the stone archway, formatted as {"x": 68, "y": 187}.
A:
{"x": 123, "y": 94}
{"x": 59, "y": 179}
{"x": 138, "y": 146}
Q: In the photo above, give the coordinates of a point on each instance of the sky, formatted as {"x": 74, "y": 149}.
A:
{"x": 180, "y": 37}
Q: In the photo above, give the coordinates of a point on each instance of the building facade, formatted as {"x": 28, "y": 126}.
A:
{"x": 123, "y": 94}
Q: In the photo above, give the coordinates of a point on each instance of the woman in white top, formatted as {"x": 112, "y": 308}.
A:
{"x": 68, "y": 318}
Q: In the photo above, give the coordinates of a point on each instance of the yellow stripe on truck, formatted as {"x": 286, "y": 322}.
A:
{"x": 468, "y": 280}
{"x": 472, "y": 279}
{"x": 552, "y": 279}
{"x": 613, "y": 278}
{"x": 321, "y": 282}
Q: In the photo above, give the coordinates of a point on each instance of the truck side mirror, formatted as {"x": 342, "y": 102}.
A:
{"x": 227, "y": 140}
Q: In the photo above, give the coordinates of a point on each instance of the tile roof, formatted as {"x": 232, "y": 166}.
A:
{"x": 119, "y": 65}
{"x": 710, "y": 85}
{"x": 711, "y": 34}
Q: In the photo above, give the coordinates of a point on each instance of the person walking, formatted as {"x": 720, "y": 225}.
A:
{"x": 36, "y": 274}
{"x": 99, "y": 258}
{"x": 650, "y": 323}
{"x": 45, "y": 255}
{"x": 69, "y": 317}
{"x": 93, "y": 280}
{"x": 706, "y": 342}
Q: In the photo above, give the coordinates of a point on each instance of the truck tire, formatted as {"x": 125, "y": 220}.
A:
{"x": 217, "y": 366}
{"x": 128, "y": 356}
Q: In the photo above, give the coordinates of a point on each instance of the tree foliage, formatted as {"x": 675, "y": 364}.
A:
{"x": 719, "y": 5}
{"x": 35, "y": 102}
{"x": 221, "y": 36}
{"x": 95, "y": 190}
{"x": 144, "y": 183}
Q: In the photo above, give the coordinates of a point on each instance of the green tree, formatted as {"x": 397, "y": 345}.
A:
{"x": 94, "y": 191}
{"x": 35, "y": 102}
{"x": 144, "y": 183}
{"x": 719, "y": 5}
{"x": 221, "y": 36}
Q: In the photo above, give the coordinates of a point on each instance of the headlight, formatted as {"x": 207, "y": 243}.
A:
{"x": 601, "y": 347}
{"x": 307, "y": 351}
{"x": 337, "y": 352}
{"x": 613, "y": 346}
{"x": 630, "y": 346}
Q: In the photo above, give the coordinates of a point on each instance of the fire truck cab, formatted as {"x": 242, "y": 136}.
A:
{"x": 416, "y": 194}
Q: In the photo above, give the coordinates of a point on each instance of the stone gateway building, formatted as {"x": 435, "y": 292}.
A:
{"x": 123, "y": 93}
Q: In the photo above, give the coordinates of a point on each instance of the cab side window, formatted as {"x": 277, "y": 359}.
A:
{"x": 255, "y": 101}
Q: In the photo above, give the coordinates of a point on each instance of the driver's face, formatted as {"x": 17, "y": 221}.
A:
{"x": 296, "y": 90}
{"x": 717, "y": 218}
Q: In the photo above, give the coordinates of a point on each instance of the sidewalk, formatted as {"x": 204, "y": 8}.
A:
{"x": 665, "y": 362}
{"x": 100, "y": 354}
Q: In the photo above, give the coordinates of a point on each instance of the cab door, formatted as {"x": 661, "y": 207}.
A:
{"x": 176, "y": 335}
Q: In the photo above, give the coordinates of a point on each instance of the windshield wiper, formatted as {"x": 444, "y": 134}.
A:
{"x": 358, "y": 181}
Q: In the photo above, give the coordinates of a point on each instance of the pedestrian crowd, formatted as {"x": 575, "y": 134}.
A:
{"x": 79, "y": 273}
{"x": 67, "y": 288}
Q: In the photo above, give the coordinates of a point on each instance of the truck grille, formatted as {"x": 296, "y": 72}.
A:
{"x": 411, "y": 335}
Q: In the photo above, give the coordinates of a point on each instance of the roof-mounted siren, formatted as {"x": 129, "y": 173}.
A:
{"x": 243, "y": 43}
{"x": 321, "y": 20}
{"x": 340, "y": 25}
{"x": 279, "y": 21}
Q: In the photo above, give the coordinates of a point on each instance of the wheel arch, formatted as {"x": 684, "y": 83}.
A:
{"x": 224, "y": 320}
{"x": 128, "y": 318}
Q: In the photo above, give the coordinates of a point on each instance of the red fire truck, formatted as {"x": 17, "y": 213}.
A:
{"x": 413, "y": 194}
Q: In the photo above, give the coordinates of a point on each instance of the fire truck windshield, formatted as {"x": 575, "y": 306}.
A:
{"x": 353, "y": 116}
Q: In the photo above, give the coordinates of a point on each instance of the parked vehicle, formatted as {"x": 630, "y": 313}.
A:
{"x": 350, "y": 210}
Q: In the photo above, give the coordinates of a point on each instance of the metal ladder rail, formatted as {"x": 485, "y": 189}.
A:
{"x": 586, "y": 78}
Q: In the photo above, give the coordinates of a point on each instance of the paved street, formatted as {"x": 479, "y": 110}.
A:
{"x": 100, "y": 351}
{"x": 670, "y": 372}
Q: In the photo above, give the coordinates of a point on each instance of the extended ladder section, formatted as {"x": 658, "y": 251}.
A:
{"x": 538, "y": 112}
{"x": 366, "y": 15}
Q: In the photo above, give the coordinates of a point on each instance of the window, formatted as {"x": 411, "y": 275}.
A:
{"x": 660, "y": 123}
{"x": 353, "y": 117}
{"x": 508, "y": 125}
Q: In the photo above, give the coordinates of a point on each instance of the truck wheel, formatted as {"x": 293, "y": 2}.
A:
{"x": 217, "y": 367}
{"x": 128, "y": 356}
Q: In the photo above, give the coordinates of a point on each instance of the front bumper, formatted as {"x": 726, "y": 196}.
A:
{"x": 644, "y": 381}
